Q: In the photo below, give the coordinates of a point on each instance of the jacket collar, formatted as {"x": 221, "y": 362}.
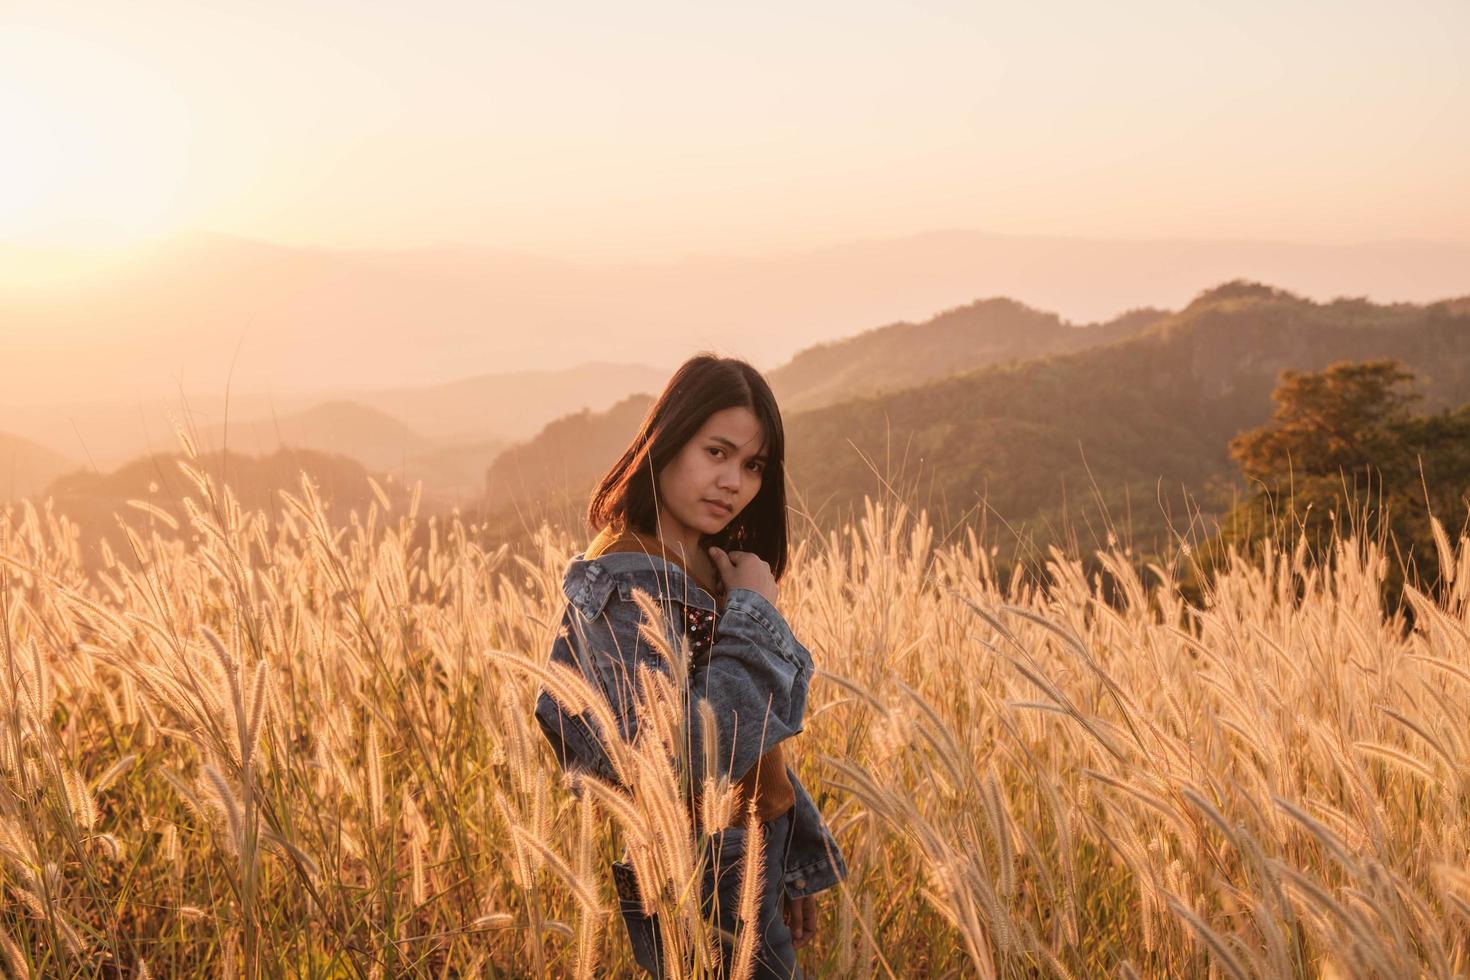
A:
{"x": 594, "y": 573}
{"x": 614, "y": 540}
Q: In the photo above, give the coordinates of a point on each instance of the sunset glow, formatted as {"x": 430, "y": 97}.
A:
{"x": 95, "y": 144}
{"x": 659, "y": 130}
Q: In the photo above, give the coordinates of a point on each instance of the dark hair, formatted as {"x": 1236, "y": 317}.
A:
{"x": 703, "y": 385}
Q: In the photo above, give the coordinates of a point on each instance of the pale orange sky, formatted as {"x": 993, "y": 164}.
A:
{"x": 651, "y": 130}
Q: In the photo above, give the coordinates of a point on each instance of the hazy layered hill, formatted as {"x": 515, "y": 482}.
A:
{"x": 566, "y": 458}
{"x": 1148, "y": 412}
{"x": 901, "y": 355}
{"x": 373, "y": 437}
{"x": 1152, "y": 410}
{"x": 91, "y": 499}
{"x": 454, "y": 428}
{"x": 510, "y": 405}
{"x": 26, "y": 466}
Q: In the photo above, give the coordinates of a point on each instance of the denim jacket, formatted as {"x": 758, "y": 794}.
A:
{"x": 750, "y": 667}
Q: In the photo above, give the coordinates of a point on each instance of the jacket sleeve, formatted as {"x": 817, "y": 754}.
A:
{"x": 814, "y": 862}
{"x": 755, "y": 679}
{"x": 573, "y": 735}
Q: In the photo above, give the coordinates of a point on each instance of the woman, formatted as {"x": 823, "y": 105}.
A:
{"x": 694, "y": 513}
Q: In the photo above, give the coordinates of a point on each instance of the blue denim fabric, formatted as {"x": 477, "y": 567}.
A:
{"x": 754, "y": 674}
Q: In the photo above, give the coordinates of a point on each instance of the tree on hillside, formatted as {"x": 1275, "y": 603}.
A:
{"x": 1344, "y": 454}
{"x": 1338, "y": 420}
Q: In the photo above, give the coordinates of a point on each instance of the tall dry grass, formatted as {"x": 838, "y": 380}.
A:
{"x": 260, "y": 745}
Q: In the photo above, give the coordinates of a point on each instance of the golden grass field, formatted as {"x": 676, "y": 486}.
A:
{"x": 263, "y": 746}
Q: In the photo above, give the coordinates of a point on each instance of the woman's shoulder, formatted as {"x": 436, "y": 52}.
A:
{"x": 590, "y": 583}
{"x": 604, "y": 588}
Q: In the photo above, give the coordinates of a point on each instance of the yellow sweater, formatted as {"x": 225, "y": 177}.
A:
{"x": 766, "y": 783}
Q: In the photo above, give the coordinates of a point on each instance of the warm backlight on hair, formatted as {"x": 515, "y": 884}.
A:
{"x": 95, "y": 145}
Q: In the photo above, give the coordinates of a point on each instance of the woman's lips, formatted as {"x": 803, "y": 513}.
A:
{"x": 721, "y": 508}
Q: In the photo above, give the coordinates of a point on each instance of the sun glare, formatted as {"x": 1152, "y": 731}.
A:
{"x": 95, "y": 145}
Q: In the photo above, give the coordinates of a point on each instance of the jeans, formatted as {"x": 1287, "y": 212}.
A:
{"x": 775, "y": 958}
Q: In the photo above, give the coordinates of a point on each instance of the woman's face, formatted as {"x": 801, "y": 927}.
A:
{"x": 721, "y": 465}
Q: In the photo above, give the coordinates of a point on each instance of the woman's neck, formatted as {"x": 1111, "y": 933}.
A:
{"x": 683, "y": 544}
{"x": 679, "y": 539}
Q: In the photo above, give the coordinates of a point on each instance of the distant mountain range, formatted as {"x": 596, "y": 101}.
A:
{"x": 1113, "y": 432}
{"x": 444, "y": 434}
{"x": 372, "y": 437}
{"x": 199, "y": 309}
{"x": 450, "y": 471}
{"x": 512, "y": 405}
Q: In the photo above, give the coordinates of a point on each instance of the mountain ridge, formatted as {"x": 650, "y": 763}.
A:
{"x": 985, "y": 331}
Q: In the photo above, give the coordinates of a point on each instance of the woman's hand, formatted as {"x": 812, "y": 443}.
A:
{"x": 744, "y": 570}
{"x": 800, "y": 916}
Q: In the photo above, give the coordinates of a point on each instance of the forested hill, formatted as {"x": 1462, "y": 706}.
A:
{"x": 1140, "y": 417}
{"x": 1147, "y": 414}
{"x": 901, "y": 355}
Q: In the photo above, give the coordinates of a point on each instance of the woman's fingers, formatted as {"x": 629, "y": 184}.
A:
{"x": 744, "y": 570}
{"x": 800, "y": 915}
{"x": 722, "y": 562}
{"x": 791, "y": 915}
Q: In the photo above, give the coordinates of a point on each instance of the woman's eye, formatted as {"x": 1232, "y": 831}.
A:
{"x": 716, "y": 449}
